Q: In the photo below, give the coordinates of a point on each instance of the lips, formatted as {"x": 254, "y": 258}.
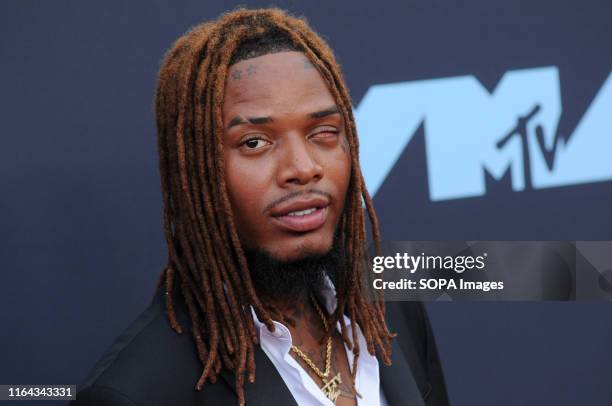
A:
{"x": 301, "y": 215}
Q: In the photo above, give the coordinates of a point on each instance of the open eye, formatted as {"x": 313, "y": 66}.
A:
{"x": 254, "y": 143}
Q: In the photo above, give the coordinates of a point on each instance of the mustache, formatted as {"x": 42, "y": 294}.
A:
{"x": 295, "y": 194}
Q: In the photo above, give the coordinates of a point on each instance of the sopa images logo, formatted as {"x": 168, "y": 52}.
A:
{"x": 469, "y": 130}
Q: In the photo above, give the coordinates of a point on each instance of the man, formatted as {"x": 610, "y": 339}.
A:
{"x": 265, "y": 227}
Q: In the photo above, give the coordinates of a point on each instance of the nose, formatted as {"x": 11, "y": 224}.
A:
{"x": 299, "y": 164}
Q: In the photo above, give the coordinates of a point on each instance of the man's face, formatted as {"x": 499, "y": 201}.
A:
{"x": 287, "y": 160}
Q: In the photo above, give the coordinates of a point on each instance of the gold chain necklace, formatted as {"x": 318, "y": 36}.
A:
{"x": 330, "y": 386}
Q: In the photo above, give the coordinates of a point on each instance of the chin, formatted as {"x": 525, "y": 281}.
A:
{"x": 297, "y": 250}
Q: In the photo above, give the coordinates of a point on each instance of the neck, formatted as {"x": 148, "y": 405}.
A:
{"x": 303, "y": 319}
{"x": 285, "y": 303}
{"x": 288, "y": 285}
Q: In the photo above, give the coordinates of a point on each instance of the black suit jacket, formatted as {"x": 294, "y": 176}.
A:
{"x": 150, "y": 365}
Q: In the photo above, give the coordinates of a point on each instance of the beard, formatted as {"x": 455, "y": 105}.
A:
{"x": 290, "y": 280}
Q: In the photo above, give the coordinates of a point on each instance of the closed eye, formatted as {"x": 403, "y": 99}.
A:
{"x": 325, "y": 133}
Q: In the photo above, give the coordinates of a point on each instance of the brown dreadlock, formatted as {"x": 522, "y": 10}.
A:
{"x": 205, "y": 253}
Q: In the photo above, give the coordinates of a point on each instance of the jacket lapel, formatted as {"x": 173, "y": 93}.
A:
{"x": 268, "y": 386}
{"x": 398, "y": 382}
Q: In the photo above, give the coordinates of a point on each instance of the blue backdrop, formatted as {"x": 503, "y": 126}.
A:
{"x": 479, "y": 120}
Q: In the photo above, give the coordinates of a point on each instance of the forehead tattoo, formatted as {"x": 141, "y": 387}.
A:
{"x": 236, "y": 74}
{"x": 308, "y": 64}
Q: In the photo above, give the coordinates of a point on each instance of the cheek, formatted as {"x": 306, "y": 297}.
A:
{"x": 339, "y": 171}
{"x": 246, "y": 187}
{"x": 233, "y": 182}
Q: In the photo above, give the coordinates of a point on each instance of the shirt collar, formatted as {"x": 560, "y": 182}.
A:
{"x": 328, "y": 295}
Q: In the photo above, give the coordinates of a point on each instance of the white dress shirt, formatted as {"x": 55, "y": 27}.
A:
{"x": 305, "y": 391}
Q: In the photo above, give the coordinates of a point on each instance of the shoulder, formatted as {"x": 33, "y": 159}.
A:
{"x": 410, "y": 315}
{"x": 409, "y": 320}
{"x": 149, "y": 364}
{"x": 416, "y": 339}
{"x": 95, "y": 395}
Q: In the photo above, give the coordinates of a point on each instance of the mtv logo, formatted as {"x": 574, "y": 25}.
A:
{"x": 469, "y": 130}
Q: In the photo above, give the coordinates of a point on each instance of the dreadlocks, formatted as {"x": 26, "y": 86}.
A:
{"x": 205, "y": 253}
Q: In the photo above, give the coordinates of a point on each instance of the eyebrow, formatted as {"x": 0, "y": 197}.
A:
{"x": 264, "y": 120}
{"x": 325, "y": 113}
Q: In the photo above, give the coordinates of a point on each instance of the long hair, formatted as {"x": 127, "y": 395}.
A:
{"x": 205, "y": 255}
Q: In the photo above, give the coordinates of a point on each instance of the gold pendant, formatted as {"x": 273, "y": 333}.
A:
{"x": 330, "y": 389}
